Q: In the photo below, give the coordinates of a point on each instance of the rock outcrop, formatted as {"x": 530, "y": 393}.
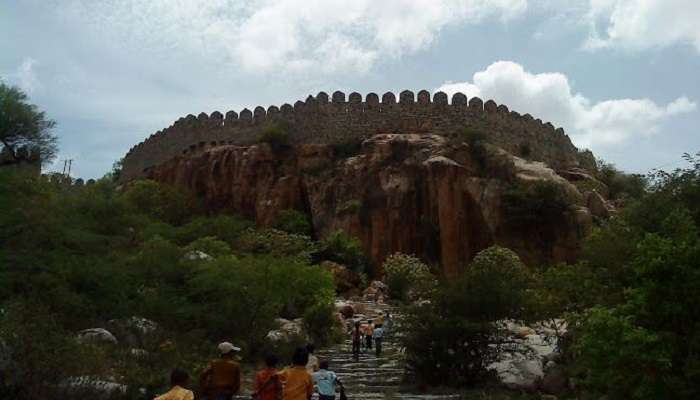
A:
{"x": 429, "y": 195}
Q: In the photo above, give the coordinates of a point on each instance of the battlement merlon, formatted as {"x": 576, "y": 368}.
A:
{"x": 321, "y": 119}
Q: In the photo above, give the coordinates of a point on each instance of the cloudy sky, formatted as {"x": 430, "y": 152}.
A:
{"x": 622, "y": 77}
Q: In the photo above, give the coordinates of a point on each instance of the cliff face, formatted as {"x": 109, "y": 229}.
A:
{"x": 419, "y": 194}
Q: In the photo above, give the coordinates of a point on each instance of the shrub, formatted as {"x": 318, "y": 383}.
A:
{"x": 276, "y": 242}
{"x": 343, "y": 249}
{"x": 293, "y": 221}
{"x": 161, "y": 201}
{"x": 453, "y": 338}
{"x": 276, "y": 136}
{"x": 404, "y": 273}
{"x": 211, "y": 246}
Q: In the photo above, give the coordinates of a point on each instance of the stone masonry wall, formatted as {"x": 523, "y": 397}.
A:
{"x": 323, "y": 120}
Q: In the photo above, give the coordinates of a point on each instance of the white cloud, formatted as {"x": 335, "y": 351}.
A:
{"x": 264, "y": 35}
{"x": 549, "y": 96}
{"x": 643, "y": 24}
{"x": 25, "y": 76}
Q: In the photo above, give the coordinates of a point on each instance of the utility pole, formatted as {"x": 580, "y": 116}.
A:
{"x": 70, "y": 163}
{"x": 65, "y": 163}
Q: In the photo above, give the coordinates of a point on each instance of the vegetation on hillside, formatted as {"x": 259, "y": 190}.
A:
{"x": 75, "y": 257}
{"x": 630, "y": 303}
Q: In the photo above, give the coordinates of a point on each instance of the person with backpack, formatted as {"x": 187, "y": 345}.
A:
{"x": 267, "y": 383}
{"x": 326, "y": 382}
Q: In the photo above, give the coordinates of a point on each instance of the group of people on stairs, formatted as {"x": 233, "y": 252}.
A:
{"x": 221, "y": 380}
{"x": 369, "y": 334}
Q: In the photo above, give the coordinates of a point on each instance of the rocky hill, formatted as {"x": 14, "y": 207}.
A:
{"x": 442, "y": 198}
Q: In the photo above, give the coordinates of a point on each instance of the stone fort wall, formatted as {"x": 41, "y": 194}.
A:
{"x": 322, "y": 119}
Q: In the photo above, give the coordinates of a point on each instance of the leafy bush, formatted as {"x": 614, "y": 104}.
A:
{"x": 273, "y": 241}
{"x": 293, "y": 221}
{"x": 276, "y": 136}
{"x": 453, "y": 338}
{"x": 404, "y": 273}
{"x": 343, "y": 249}
{"x": 620, "y": 184}
{"x": 160, "y": 201}
{"x": 210, "y": 245}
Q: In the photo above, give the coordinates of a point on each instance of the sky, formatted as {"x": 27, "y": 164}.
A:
{"x": 622, "y": 77}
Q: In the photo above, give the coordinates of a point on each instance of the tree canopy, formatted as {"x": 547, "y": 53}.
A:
{"x": 25, "y": 131}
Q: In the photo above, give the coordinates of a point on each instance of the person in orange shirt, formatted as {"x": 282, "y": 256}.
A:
{"x": 267, "y": 383}
{"x": 222, "y": 378}
{"x": 296, "y": 380}
{"x": 178, "y": 381}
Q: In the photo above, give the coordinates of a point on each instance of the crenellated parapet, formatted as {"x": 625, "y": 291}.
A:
{"x": 337, "y": 118}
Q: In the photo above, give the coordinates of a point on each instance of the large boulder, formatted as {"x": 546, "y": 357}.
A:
{"x": 134, "y": 331}
{"x": 287, "y": 331}
{"x": 96, "y": 336}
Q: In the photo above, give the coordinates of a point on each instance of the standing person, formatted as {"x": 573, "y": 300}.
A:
{"x": 222, "y": 378}
{"x": 178, "y": 382}
{"x": 312, "y": 366}
{"x": 356, "y": 340}
{"x": 326, "y": 382}
{"x": 296, "y": 380}
{"x": 267, "y": 384}
{"x": 369, "y": 332}
{"x": 378, "y": 336}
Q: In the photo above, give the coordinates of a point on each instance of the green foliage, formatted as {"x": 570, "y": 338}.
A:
{"x": 535, "y": 203}
{"x": 25, "y": 132}
{"x": 38, "y": 352}
{"x": 321, "y": 324}
{"x": 452, "y": 339}
{"x": 107, "y": 254}
{"x": 477, "y": 141}
{"x": 343, "y": 249}
{"x": 211, "y": 246}
{"x": 293, "y": 221}
{"x": 405, "y": 274}
{"x": 620, "y": 185}
{"x": 276, "y": 242}
{"x": 249, "y": 292}
{"x": 160, "y": 201}
{"x": 277, "y": 136}
{"x": 632, "y": 300}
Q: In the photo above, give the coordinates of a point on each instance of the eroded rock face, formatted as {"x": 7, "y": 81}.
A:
{"x": 410, "y": 193}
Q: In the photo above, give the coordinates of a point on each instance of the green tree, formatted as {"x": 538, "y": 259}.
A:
{"x": 453, "y": 338}
{"x": 404, "y": 274}
{"x": 25, "y": 132}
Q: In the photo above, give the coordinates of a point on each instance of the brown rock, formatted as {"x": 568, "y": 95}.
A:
{"x": 411, "y": 193}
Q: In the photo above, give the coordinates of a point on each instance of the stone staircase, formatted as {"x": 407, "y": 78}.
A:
{"x": 372, "y": 377}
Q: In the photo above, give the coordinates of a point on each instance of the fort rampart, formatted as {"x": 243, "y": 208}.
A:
{"x": 321, "y": 119}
